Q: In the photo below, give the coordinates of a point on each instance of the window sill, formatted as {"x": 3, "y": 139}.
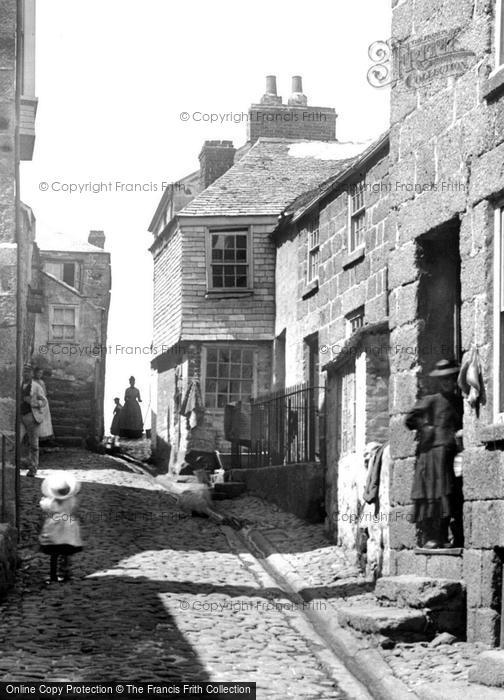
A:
{"x": 491, "y": 433}
{"x": 354, "y": 257}
{"x": 225, "y": 294}
{"x": 493, "y": 87}
{"x": 310, "y": 289}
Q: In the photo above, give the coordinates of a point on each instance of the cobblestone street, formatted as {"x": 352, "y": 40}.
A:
{"x": 156, "y": 596}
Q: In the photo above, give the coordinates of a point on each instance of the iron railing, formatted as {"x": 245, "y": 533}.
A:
{"x": 288, "y": 426}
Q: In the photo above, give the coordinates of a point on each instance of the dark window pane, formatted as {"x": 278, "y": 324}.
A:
{"x": 212, "y": 355}
{"x": 241, "y": 241}
{"x": 229, "y": 242}
{"x": 246, "y": 389}
{"x": 212, "y": 370}
{"x": 241, "y": 254}
{"x": 241, "y": 281}
{"x": 223, "y": 355}
{"x": 235, "y": 371}
{"x": 217, "y": 280}
{"x": 247, "y": 357}
{"x": 217, "y": 241}
{"x": 211, "y": 386}
{"x": 234, "y": 397}
{"x": 236, "y": 355}
{"x": 229, "y": 255}
{"x": 247, "y": 372}
{"x": 234, "y": 387}
{"x": 69, "y": 273}
{"x": 222, "y": 387}
{"x": 223, "y": 369}
{"x": 216, "y": 254}
{"x": 222, "y": 400}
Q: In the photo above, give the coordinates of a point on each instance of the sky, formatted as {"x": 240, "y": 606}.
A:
{"x": 113, "y": 78}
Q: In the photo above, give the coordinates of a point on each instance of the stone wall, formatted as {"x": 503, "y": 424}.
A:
{"x": 447, "y": 146}
{"x": 296, "y": 488}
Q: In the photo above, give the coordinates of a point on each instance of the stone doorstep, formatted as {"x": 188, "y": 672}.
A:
{"x": 489, "y": 669}
{"x": 456, "y": 690}
{"x": 374, "y": 619}
{"x": 420, "y": 591}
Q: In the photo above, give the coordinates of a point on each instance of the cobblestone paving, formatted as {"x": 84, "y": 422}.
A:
{"x": 329, "y": 575}
{"x": 156, "y": 596}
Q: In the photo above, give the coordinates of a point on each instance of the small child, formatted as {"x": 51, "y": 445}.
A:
{"x": 60, "y": 536}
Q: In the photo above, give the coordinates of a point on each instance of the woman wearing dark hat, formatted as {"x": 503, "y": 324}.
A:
{"x": 130, "y": 418}
{"x": 437, "y": 418}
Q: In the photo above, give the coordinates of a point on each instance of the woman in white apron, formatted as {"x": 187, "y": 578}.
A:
{"x": 46, "y": 428}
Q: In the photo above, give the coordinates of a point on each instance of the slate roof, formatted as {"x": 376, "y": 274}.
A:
{"x": 270, "y": 175}
{"x": 63, "y": 243}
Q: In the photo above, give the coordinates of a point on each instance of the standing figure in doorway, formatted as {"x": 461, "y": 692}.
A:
{"x": 437, "y": 418}
{"x": 130, "y": 419}
{"x": 45, "y": 427}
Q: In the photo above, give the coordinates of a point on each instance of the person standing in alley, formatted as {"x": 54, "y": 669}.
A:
{"x": 60, "y": 537}
{"x": 115, "y": 425}
{"x": 437, "y": 418}
{"x": 45, "y": 426}
{"x": 130, "y": 421}
{"x": 32, "y": 407}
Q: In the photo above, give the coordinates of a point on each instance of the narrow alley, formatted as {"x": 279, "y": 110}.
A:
{"x": 156, "y": 596}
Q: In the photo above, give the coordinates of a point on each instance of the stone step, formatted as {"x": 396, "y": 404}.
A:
{"x": 489, "y": 669}
{"x": 375, "y": 619}
{"x": 69, "y": 431}
{"x": 456, "y": 690}
{"x": 420, "y": 592}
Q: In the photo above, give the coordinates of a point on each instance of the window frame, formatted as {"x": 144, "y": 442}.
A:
{"x": 499, "y": 36}
{"x": 355, "y": 315}
{"x": 62, "y": 263}
{"x": 229, "y": 230}
{"x": 229, "y": 347}
{"x": 63, "y": 340}
{"x": 356, "y": 214}
{"x": 313, "y": 242}
{"x": 498, "y": 312}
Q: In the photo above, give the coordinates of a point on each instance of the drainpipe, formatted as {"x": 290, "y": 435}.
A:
{"x": 19, "y": 262}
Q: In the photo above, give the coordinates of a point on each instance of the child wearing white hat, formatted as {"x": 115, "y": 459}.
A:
{"x": 60, "y": 536}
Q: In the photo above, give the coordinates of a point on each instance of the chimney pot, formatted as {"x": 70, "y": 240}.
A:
{"x": 297, "y": 83}
{"x": 270, "y": 97}
{"x": 271, "y": 85}
{"x": 297, "y": 97}
{"x": 97, "y": 238}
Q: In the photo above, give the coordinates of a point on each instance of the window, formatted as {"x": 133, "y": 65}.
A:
{"x": 229, "y": 375}
{"x": 357, "y": 222}
{"x": 499, "y": 316}
{"x": 313, "y": 248}
{"x": 229, "y": 259}
{"x": 63, "y": 322}
{"x": 66, "y": 272}
{"x": 355, "y": 320}
{"x": 499, "y": 33}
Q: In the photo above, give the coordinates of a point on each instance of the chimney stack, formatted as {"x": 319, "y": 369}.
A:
{"x": 97, "y": 238}
{"x": 270, "y": 118}
{"x": 297, "y": 97}
{"x": 215, "y": 159}
{"x": 270, "y": 97}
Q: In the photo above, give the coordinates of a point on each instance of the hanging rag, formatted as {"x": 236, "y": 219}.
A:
{"x": 372, "y": 488}
{"x": 192, "y": 406}
{"x": 469, "y": 378}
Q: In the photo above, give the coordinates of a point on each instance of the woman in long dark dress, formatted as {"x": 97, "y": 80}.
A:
{"x": 437, "y": 418}
{"x": 115, "y": 425}
{"x": 130, "y": 419}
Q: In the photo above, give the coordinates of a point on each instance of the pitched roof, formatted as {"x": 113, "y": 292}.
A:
{"x": 63, "y": 243}
{"x": 270, "y": 175}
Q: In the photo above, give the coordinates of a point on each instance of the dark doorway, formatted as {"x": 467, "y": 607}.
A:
{"x": 438, "y": 260}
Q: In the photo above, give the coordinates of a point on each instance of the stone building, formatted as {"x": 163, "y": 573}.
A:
{"x": 17, "y": 230}
{"x": 446, "y": 271}
{"x": 331, "y": 315}
{"x": 71, "y": 326}
{"x": 214, "y": 267}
